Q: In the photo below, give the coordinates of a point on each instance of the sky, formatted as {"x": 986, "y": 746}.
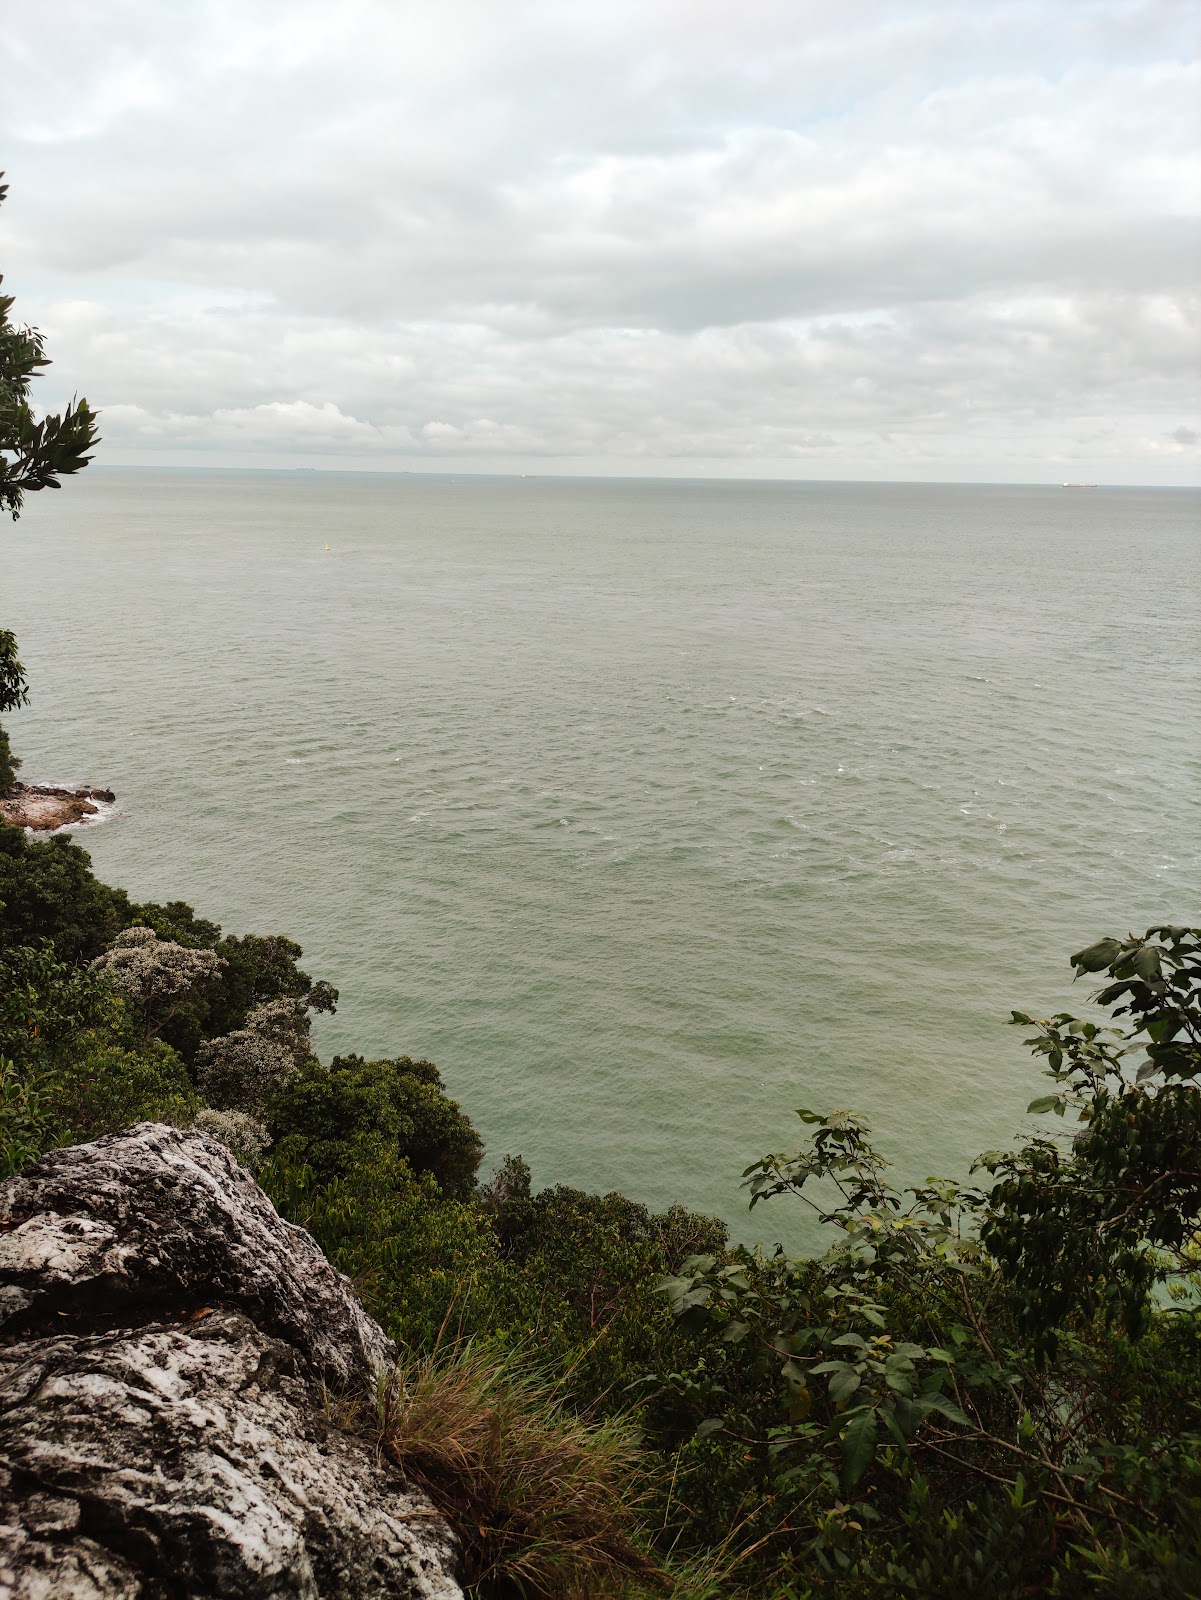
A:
{"x": 755, "y": 238}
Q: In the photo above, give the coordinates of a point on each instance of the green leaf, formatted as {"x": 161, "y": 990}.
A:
{"x": 939, "y": 1402}
{"x": 1097, "y": 957}
{"x": 800, "y": 1405}
{"x": 858, "y": 1445}
{"x": 843, "y": 1385}
{"x": 892, "y": 1422}
{"x": 1147, "y": 963}
{"x": 1046, "y": 1102}
{"x": 710, "y": 1425}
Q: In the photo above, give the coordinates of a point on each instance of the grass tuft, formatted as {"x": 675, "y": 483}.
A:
{"x": 547, "y": 1506}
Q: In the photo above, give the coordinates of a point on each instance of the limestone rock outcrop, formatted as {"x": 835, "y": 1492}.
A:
{"x": 172, "y": 1359}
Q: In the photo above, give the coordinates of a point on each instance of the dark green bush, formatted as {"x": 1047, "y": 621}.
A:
{"x": 48, "y": 891}
{"x": 9, "y": 763}
{"x": 331, "y": 1119}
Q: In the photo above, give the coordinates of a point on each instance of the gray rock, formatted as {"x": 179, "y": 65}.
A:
{"x": 169, "y": 1350}
{"x": 159, "y": 1217}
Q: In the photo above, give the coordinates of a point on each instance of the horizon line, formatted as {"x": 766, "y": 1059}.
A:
{"x": 177, "y": 469}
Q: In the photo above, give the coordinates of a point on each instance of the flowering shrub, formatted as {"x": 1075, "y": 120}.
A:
{"x": 154, "y": 973}
{"x": 244, "y": 1136}
{"x": 242, "y": 1070}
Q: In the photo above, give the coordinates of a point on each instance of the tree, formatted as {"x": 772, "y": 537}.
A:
{"x": 330, "y": 1115}
{"x": 33, "y": 455}
{"x": 13, "y": 693}
{"x": 49, "y": 891}
{"x": 155, "y": 974}
{"x": 1093, "y": 1229}
{"x": 243, "y": 1070}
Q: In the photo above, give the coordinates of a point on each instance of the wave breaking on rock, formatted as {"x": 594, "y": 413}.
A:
{"x": 43, "y": 808}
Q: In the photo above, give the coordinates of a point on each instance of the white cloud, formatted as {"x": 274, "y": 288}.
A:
{"x": 797, "y": 236}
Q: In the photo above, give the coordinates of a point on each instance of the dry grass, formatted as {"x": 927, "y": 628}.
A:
{"x": 547, "y": 1506}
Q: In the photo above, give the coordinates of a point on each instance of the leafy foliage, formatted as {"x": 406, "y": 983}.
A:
{"x": 34, "y": 455}
{"x": 1094, "y": 1229}
{"x": 242, "y": 1071}
{"x": 333, "y": 1119}
{"x": 972, "y": 1338}
{"x": 14, "y": 690}
{"x": 156, "y": 974}
{"x": 976, "y": 1390}
{"x": 77, "y": 1064}
{"x": 419, "y": 1261}
{"x": 243, "y": 1135}
{"x": 13, "y": 693}
{"x": 49, "y": 892}
{"x": 257, "y": 969}
{"x": 9, "y": 763}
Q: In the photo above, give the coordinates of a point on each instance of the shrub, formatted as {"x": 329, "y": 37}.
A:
{"x": 258, "y": 969}
{"x": 48, "y": 892}
{"x": 326, "y": 1114}
{"x": 29, "y": 1115}
{"x": 244, "y": 1137}
{"x": 244, "y": 1070}
{"x": 106, "y": 1087}
{"x": 420, "y": 1262}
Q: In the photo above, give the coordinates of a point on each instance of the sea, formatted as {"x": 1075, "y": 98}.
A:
{"x": 652, "y": 811}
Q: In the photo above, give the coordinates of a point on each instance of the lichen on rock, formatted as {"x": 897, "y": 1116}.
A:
{"x": 170, "y": 1345}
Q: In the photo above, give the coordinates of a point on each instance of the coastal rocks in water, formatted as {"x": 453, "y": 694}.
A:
{"x": 168, "y": 1347}
{"x": 34, "y": 805}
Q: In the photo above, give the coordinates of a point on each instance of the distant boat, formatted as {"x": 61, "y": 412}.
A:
{"x": 1080, "y": 486}
{"x": 327, "y": 546}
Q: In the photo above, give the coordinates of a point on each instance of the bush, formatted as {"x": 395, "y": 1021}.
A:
{"x": 580, "y": 1279}
{"x": 256, "y": 970}
{"x": 243, "y": 1136}
{"x": 29, "y": 1115}
{"x": 9, "y": 764}
{"x": 48, "y": 892}
{"x": 421, "y": 1263}
{"x": 107, "y": 1087}
{"x": 244, "y": 1070}
{"x": 328, "y": 1115}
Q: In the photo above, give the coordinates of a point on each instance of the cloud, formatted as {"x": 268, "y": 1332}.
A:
{"x": 790, "y": 232}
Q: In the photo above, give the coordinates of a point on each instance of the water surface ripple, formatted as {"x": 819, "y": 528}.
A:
{"x": 650, "y": 811}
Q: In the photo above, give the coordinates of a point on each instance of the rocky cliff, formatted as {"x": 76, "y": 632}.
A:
{"x": 169, "y": 1347}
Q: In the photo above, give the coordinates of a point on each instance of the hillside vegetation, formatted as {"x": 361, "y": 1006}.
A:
{"x": 983, "y": 1387}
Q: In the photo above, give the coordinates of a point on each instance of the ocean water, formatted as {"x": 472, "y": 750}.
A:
{"x": 651, "y": 811}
